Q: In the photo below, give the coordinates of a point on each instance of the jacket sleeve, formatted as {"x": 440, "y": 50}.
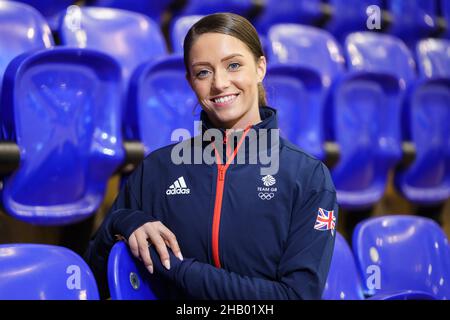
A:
{"x": 303, "y": 268}
{"x": 123, "y": 218}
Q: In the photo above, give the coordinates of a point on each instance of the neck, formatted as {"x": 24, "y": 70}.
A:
{"x": 251, "y": 117}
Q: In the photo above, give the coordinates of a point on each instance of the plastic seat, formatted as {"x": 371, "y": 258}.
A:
{"x": 287, "y": 11}
{"x": 303, "y": 63}
{"x": 22, "y": 28}
{"x": 153, "y": 9}
{"x": 366, "y": 116}
{"x": 201, "y": 7}
{"x": 349, "y": 16}
{"x": 62, "y": 108}
{"x": 343, "y": 282}
{"x": 50, "y": 9}
{"x": 132, "y": 38}
{"x": 161, "y": 99}
{"x": 412, "y": 253}
{"x": 127, "y": 277}
{"x": 179, "y": 29}
{"x": 427, "y": 115}
{"x": 44, "y": 272}
{"x": 412, "y": 20}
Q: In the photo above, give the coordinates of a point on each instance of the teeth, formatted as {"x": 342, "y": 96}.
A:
{"x": 224, "y": 99}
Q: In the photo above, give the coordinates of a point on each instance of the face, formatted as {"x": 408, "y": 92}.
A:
{"x": 224, "y": 75}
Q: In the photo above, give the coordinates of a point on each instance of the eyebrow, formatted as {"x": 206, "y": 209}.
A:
{"x": 224, "y": 59}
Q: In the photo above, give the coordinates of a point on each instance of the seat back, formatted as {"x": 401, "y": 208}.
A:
{"x": 308, "y": 47}
{"x": 380, "y": 53}
{"x": 132, "y": 38}
{"x": 303, "y": 63}
{"x": 349, "y": 16}
{"x": 22, "y": 28}
{"x": 287, "y": 11}
{"x": 411, "y": 253}
{"x": 426, "y": 116}
{"x": 127, "y": 277}
{"x": 433, "y": 58}
{"x": 160, "y": 101}
{"x": 180, "y": 28}
{"x": 62, "y": 108}
{"x": 343, "y": 282}
{"x": 299, "y": 122}
{"x": 412, "y": 20}
{"x": 44, "y": 272}
{"x": 367, "y": 116}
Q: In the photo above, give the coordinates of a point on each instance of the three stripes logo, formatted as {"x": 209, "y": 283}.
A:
{"x": 178, "y": 187}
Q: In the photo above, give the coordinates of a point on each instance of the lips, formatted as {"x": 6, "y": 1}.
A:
{"x": 224, "y": 100}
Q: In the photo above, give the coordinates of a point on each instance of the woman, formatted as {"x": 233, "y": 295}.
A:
{"x": 243, "y": 233}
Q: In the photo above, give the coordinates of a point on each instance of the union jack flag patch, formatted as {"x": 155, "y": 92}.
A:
{"x": 326, "y": 220}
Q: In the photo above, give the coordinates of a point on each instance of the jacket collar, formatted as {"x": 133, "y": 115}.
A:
{"x": 268, "y": 120}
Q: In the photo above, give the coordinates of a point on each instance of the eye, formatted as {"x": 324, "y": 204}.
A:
{"x": 202, "y": 74}
{"x": 234, "y": 66}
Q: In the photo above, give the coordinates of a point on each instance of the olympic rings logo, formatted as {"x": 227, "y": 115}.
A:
{"x": 266, "y": 195}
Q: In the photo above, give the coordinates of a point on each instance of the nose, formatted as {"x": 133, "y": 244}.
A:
{"x": 221, "y": 81}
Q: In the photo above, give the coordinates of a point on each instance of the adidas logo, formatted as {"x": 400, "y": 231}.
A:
{"x": 178, "y": 187}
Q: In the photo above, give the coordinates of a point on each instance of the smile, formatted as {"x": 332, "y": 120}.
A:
{"x": 225, "y": 100}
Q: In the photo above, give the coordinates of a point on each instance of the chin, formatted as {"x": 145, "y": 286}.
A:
{"x": 228, "y": 116}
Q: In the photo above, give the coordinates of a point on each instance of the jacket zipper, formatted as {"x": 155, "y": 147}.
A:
{"x": 220, "y": 184}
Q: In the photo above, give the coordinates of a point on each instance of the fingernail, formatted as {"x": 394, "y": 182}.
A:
{"x": 150, "y": 269}
{"x": 166, "y": 264}
{"x": 180, "y": 256}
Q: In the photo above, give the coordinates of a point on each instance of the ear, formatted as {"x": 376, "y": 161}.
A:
{"x": 261, "y": 67}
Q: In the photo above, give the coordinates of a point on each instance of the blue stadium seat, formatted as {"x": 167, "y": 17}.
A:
{"x": 343, "y": 282}
{"x": 128, "y": 279}
{"x": 62, "y": 108}
{"x": 366, "y": 116}
{"x": 349, "y": 16}
{"x": 412, "y": 253}
{"x": 179, "y": 29}
{"x": 303, "y": 63}
{"x": 201, "y": 7}
{"x": 433, "y": 57}
{"x": 427, "y": 118}
{"x": 160, "y": 100}
{"x": 22, "y": 28}
{"x": 44, "y": 272}
{"x": 287, "y": 11}
{"x": 50, "y": 9}
{"x": 412, "y": 20}
{"x": 153, "y": 9}
{"x": 132, "y": 38}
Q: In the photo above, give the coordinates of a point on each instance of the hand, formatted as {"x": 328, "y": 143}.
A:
{"x": 158, "y": 235}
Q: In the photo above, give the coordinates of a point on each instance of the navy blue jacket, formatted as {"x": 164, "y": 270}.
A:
{"x": 243, "y": 235}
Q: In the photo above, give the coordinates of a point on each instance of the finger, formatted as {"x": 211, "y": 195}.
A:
{"x": 171, "y": 242}
{"x": 143, "y": 250}
{"x": 132, "y": 242}
{"x": 161, "y": 247}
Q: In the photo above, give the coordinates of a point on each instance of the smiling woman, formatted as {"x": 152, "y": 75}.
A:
{"x": 244, "y": 234}
{"x": 227, "y": 80}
